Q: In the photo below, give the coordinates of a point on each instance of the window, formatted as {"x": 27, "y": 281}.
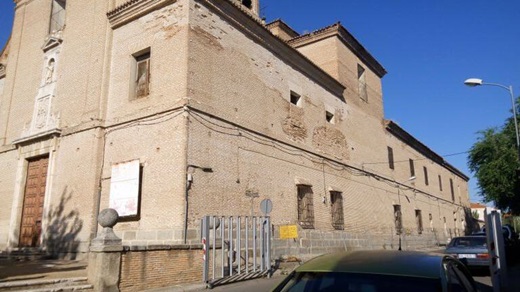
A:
{"x": 57, "y": 16}
{"x": 247, "y": 3}
{"x": 141, "y": 81}
{"x": 425, "y": 175}
{"x": 452, "y": 191}
{"x": 412, "y": 168}
{"x": 305, "y": 207}
{"x": 336, "y": 201}
{"x": 295, "y": 98}
{"x": 362, "y": 84}
{"x": 440, "y": 183}
{"x": 329, "y": 117}
{"x": 398, "y": 219}
{"x": 390, "y": 157}
{"x": 418, "y": 221}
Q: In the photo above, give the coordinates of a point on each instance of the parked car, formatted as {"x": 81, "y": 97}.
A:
{"x": 381, "y": 270}
{"x": 472, "y": 250}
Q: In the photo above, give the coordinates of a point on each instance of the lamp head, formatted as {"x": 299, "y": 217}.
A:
{"x": 472, "y": 82}
{"x": 411, "y": 178}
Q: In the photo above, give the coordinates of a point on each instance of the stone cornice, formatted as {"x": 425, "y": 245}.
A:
{"x": 256, "y": 30}
{"x": 411, "y": 141}
{"x": 38, "y": 137}
{"x": 348, "y": 39}
{"x": 134, "y": 9}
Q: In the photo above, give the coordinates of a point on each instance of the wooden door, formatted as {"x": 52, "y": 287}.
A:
{"x": 32, "y": 212}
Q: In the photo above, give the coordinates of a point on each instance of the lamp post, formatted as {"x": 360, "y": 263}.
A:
{"x": 472, "y": 82}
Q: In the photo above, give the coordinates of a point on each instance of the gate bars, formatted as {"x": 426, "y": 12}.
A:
{"x": 245, "y": 254}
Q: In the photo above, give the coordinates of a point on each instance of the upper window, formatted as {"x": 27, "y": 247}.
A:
{"x": 412, "y": 168}
{"x": 440, "y": 183}
{"x": 329, "y": 117}
{"x": 57, "y": 15}
{"x": 141, "y": 83}
{"x": 362, "y": 84}
{"x": 295, "y": 98}
{"x": 336, "y": 202}
{"x": 425, "y": 175}
{"x": 305, "y": 207}
{"x": 452, "y": 190}
{"x": 390, "y": 157}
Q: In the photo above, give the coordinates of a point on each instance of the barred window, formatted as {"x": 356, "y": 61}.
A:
{"x": 305, "y": 207}
{"x": 336, "y": 201}
{"x": 398, "y": 219}
{"x": 418, "y": 220}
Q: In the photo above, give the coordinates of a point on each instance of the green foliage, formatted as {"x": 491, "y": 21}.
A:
{"x": 475, "y": 214}
{"x": 494, "y": 161}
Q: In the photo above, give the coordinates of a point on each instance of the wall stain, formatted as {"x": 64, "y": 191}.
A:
{"x": 330, "y": 141}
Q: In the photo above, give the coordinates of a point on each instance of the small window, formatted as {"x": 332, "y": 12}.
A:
{"x": 412, "y": 168}
{"x": 425, "y": 175}
{"x": 305, "y": 207}
{"x": 362, "y": 84}
{"x": 329, "y": 117}
{"x": 247, "y": 3}
{"x": 336, "y": 201}
{"x": 390, "y": 157}
{"x": 452, "y": 191}
{"x": 141, "y": 82}
{"x": 418, "y": 220}
{"x": 295, "y": 98}
{"x": 398, "y": 219}
{"x": 440, "y": 183}
{"x": 57, "y": 16}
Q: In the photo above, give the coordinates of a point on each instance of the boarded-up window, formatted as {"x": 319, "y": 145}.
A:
{"x": 398, "y": 219}
{"x": 57, "y": 16}
{"x": 336, "y": 202}
{"x": 390, "y": 157}
{"x": 418, "y": 221}
{"x": 305, "y": 207}
{"x": 142, "y": 75}
{"x": 452, "y": 191}
{"x": 412, "y": 168}
{"x": 362, "y": 83}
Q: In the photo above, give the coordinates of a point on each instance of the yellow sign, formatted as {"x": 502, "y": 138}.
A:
{"x": 288, "y": 231}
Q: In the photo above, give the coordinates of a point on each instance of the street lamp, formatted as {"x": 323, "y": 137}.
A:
{"x": 472, "y": 82}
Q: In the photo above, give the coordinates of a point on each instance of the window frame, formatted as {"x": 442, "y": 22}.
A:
{"x": 140, "y": 58}
{"x": 336, "y": 210}
{"x": 398, "y": 219}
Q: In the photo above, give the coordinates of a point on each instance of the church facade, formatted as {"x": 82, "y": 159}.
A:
{"x": 171, "y": 110}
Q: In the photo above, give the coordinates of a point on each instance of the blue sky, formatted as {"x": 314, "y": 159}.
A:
{"x": 428, "y": 48}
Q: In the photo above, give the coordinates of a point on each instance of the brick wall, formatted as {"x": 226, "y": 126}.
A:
{"x": 160, "y": 267}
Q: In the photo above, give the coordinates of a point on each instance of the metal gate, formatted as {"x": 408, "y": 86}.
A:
{"x": 235, "y": 248}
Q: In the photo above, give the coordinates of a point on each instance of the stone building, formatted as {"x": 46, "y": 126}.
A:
{"x": 170, "y": 110}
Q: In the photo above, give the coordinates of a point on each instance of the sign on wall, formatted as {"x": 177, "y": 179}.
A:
{"x": 124, "y": 188}
{"x": 288, "y": 231}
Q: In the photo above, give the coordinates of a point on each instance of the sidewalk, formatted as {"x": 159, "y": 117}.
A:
{"x": 11, "y": 270}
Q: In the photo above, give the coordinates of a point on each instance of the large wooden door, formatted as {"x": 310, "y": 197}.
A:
{"x": 32, "y": 212}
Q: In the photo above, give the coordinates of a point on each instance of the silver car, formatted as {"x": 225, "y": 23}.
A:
{"x": 471, "y": 250}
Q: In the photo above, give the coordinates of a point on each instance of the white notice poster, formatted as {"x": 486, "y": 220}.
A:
{"x": 124, "y": 188}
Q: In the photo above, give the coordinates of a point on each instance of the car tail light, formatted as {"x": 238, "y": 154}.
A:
{"x": 483, "y": 256}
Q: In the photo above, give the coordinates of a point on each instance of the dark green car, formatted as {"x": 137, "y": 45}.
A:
{"x": 380, "y": 270}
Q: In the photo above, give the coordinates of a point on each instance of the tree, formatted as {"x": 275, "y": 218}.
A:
{"x": 494, "y": 161}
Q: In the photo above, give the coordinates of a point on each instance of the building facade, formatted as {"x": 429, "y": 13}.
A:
{"x": 170, "y": 110}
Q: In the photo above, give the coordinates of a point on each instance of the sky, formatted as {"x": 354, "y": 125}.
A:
{"x": 428, "y": 48}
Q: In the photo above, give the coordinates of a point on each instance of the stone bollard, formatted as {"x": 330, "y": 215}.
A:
{"x": 104, "y": 262}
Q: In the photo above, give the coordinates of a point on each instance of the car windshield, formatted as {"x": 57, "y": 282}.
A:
{"x": 469, "y": 242}
{"x": 335, "y": 281}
